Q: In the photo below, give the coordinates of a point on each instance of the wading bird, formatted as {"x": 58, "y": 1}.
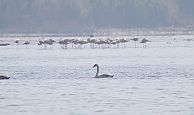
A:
{"x": 135, "y": 40}
{"x": 17, "y": 42}
{"x": 144, "y": 41}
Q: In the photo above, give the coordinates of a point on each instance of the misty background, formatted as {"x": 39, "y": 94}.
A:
{"x": 86, "y": 15}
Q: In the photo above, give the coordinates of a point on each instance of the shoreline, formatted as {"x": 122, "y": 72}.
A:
{"x": 108, "y": 32}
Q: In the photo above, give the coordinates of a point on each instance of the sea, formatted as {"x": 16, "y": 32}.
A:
{"x": 156, "y": 80}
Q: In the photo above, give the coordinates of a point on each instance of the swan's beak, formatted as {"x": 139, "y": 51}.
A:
{"x": 94, "y": 66}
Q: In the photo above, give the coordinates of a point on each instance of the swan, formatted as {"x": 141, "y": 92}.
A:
{"x": 103, "y": 75}
{"x": 4, "y": 77}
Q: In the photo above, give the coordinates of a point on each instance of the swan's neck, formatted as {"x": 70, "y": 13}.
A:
{"x": 97, "y": 71}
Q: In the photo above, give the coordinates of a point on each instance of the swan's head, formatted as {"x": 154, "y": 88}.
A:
{"x": 95, "y": 65}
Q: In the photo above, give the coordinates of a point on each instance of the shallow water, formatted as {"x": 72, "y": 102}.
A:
{"x": 158, "y": 79}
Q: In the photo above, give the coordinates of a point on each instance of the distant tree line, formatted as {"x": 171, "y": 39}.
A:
{"x": 85, "y": 15}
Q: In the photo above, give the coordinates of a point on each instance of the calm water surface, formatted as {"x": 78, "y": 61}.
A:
{"x": 158, "y": 80}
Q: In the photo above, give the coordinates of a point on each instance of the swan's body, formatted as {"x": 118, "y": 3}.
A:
{"x": 4, "y": 77}
{"x": 103, "y": 75}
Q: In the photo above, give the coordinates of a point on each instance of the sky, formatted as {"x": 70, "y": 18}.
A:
{"x": 86, "y": 15}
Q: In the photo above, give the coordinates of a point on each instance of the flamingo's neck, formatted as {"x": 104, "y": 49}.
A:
{"x": 97, "y": 71}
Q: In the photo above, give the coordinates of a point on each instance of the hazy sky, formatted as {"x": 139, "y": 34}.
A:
{"x": 85, "y": 15}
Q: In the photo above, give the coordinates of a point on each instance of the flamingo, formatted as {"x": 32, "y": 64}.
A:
{"x": 82, "y": 42}
{"x": 4, "y": 44}
{"x": 135, "y": 40}
{"x": 45, "y": 42}
{"x": 144, "y": 42}
{"x": 92, "y": 41}
{"x": 123, "y": 41}
{"x": 26, "y": 43}
{"x": 114, "y": 43}
{"x": 64, "y": 42}
{"x": 50, "y": 42}
{"x": 17, "y": 42}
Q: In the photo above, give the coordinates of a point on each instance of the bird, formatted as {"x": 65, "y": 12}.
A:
{"x": 103, "y": 75}
{"x": 123, "y": 41}
{"x": 64, "y": 42}
{"x": 135, "y": 40}
{"x": 46, "y": 42}
{"x": 4, "y": 44}
{"x": 17, "y": 42}
{"x": 26, "y": 43}
{"x": 40, "y": 42}
{"x": 144, "y": 42}
{"x": 3, "y": 77}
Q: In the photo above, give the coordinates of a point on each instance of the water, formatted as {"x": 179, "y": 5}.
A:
{"x": 154, "y": 80}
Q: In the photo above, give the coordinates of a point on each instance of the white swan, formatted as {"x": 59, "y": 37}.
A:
{"x": 103, "y": 75}
{"x": 4, "y": 77}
